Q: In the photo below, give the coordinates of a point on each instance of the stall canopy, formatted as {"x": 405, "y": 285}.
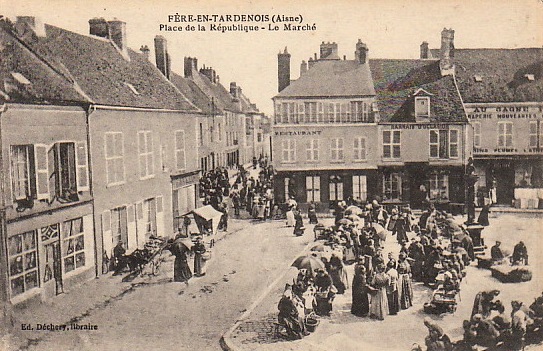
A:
{"x": 207, "y": 219}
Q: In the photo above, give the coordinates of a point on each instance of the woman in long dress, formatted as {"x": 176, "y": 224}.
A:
{"x": 199, "y": 262}
{"x": 291, "y": 221}
{"x": 338, "y": 274}
{"x": 379, "y": 301}
{"x": 405, "y": 284}
{"x": 360, "y": 303}
{"x": 181, "y": 269}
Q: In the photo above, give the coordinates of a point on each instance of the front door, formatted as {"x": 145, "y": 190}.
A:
{"x": 504, "y": 176}
{"x": 53, "y": 261}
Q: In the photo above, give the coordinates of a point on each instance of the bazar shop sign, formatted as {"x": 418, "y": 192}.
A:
{"x": 298, "y": 132}
{"x": 420, "y": 126}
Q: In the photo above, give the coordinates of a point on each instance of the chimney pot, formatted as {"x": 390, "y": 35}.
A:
{"x": 424, "y": 50}
{"x": 303, "y": 67}
{"x": 283, "y": 70}
{"x": 35, "y": 24}
{"x": 98, "y": 27}
{"x": 447, "y": 51}
{"x": 161, "y": 55}
{"x": 117, "y": 34}
{"x": 145, "y": 51}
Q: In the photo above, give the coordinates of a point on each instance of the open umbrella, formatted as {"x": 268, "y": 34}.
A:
{"x": 185, "y": 241}
{"x": 321, "y": 248}
{"x": 354, "y": 210}
{"x": 380, "y": 231}
{"x": 345, "y": 221}
{"x": 308, "y": 262}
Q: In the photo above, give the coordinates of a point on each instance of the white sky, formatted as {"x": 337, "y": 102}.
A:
{"x": 390, "y": 28}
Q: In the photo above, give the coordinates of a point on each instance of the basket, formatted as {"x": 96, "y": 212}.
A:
{"x": 311, "y": 323}
{"x": 206, "y": 256}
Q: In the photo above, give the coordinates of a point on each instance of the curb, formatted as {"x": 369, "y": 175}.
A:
{"x": 226, "y": 341}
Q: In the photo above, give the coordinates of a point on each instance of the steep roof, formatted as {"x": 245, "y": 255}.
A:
{"x": 25, "y": 78}
{"x": 104, "y": 75}
{"x": 331, "y": 78}
{"x": 192, "y": 92}
{"x": 397, "y": 80}
{"x": 501, "y": 74}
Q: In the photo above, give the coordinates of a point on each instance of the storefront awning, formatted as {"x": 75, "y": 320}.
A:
{"x": 206, "y": 214}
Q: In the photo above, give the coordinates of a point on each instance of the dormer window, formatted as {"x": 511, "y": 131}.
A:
{"x": 20, "y": 78}
{"x": 422, "y": 107}
{"x": 478, "y": 78}
{"x": 131, "y": 87}
{"x": 530, "y": 77}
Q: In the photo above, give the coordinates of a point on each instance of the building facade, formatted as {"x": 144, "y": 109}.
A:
{"x": 324, "y": 130}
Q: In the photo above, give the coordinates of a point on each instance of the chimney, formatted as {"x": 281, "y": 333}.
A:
{"x": 161, "y": 55}
{"x": 283, "y": 70}
{"x": 98, "y": 27}
{"x": 145, "y": 51}
{"x": 303, "y": 68}
{"x": 424, "y": 50}
{"x": 117, "y": 34}
{"x": 234, "y": 89}
{"x": 210, "y": 73}
{"x": 361, "y": 53}
{"x": 35, "y": 24}
{"x": 329, "y": 50}
{"x": 310, "y": 63}
{"x": 447, "y": 52}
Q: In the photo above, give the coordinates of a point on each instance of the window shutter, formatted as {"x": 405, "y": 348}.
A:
{"x": 140, "y": 225}
{"x": 82, "y": 166}
{"x": 42, "y": 172}
{"x": 52, "y": 164}
{"x": 160, "y": 216}
{"x": 106, "y": 232}
{"x": 131, "y": 226}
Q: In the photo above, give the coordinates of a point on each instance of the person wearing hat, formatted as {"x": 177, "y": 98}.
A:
{"x": 484, "y": 302}
{"x": 360, "y": 303}
{"x": 199, "y": 250}
{"x": 378, "y": 290}
{"x": 519, "y": 323}
{"x": 392, "y": 288}
{"x": 496, "y": 252}
{"x": 437, "y": 340}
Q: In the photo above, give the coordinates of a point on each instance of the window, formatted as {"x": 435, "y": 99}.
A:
{"x": 149, "y": 217}
{"x": 310, "y": 112}
{"x": 180, "y": 149}
{"x": 119, "y": 226}
{"x": 288, "y": 150}
{"x": 536, "y": 134}
{"x": 422, "y": 107}
{"x": 22, "y": 164}
{"x": 114, "y": 158}
{"x": 335, "y": 184}
{"x": 359, "y": 149}
{"x": 73, "y": 244}
{"x": 313, "y": 150}
{"x": 439, "y": 187}
{"x": 313, "y": 185}
{"x": 320, "y": 111}
{"x": 336, "y": 149}
{"x": 23, "y": 259}
{"x": 146, "y": 156}
{"x": 391, "y": 144}
{"x": 359, "y": 187}
{"x": 505, "y": 134}
{"x": 444, "y": 143}
{"x": 476, "y": 134}
{"x": 392, "y": 186}
{"x": 359, "y": 111}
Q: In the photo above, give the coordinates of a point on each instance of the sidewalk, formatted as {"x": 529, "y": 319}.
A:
{"x": 95, "y": 294}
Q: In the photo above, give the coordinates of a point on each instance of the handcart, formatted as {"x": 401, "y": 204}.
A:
{"x": 443, "y": 301}
{"x": 149, "y": 259}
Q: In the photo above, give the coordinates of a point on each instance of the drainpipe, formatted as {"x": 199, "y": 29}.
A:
{"x": 97, "y": 250}
{"x": 6, "y": 319}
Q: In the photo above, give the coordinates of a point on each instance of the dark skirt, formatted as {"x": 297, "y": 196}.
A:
{"x": 361, "y": 305}
{"x": 181, "y": 270}
{"x": 405, "y": 289}
{"x": 393, "y": 302}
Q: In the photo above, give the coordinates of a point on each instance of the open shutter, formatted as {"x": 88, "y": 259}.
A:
{"x": 140, "y": 225}
{"x": 107, "y": 238}
{"x": 42, "y": 172}
{"x": 131, "y": 225}
{"x": 160, "y": 216}
{"x": 52, "y": 164}
{"x": 82, "y": 166}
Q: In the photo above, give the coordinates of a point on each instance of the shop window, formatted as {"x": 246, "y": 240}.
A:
{"x": 359, "y": 149}
{"x": 312, "y": 150}
{"x": 359, "y": 187}
{"x": 73, "y": 244}
{"x": 336, "y": 188}
{"x": 391, "y": 144}
{"x": 392, "y": 186}
{"x": 119, "y": 226}
{"x": 23, "y": 258}
{"x": 313, "y": 184}
{"x": 505, "y": 134}
{"x": 439, "y": 187}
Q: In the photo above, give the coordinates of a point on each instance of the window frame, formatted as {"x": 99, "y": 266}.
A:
{"x": 418, "y": 113}
{"x": 25, "y": 270}
{"x": 389, "y": 183}
{"x": 337, "y": 146}
{"x": 312, "y": 150}
{"x": 73, "y": 236}
{"x": 359, "y": 149}
{"x": 313, "y": 185}
{"x": 504, "y": 135}
{"x": 290, "y": 150}
{"x": 179, "y": 150}
{"x": 357, "y": 190}
{"x": 115, "y": 158}
{"x": 434, "y": 181}
{"x": 476, "y": 133}
{"x": 147, "y": 154}
{"x": 392, "y": 144}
